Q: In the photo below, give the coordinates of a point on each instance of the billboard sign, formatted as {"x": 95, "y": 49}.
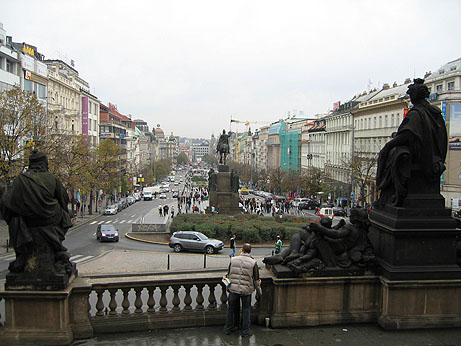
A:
{"x": 85, "y": 116}
{"x": 454, "y": 137}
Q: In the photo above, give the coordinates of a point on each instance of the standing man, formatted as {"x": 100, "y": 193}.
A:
{"x": 160, "y": 210}
{"x": 243, "y": 274}
{"x": 232, "y": 246}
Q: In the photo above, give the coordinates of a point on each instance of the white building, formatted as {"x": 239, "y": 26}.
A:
{"x": 9, "y": 62}
{"x": 445, "y": 87}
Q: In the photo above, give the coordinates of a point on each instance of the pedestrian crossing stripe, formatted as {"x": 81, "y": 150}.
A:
{"x": 79, "y": 258}
{"x": 8, "y": 257}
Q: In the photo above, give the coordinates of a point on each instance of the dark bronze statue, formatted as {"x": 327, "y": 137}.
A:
{"x": 318, "y": 246}
{"x": 223, "y": 147}
{"x": 35, "y": 208}
{"x": 413, "y": 160}
{"x": 235, "y": 182}
{"x": 212, "y": 180}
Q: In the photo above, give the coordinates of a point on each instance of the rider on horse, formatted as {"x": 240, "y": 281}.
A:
{"x": 223, "y": 147}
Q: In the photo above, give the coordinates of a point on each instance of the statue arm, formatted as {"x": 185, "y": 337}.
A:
{"x": 331, "y": 233}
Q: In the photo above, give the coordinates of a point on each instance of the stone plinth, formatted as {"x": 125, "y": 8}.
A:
{"x": 223, "y": 199}
{"x": 420, "y": 304}
{"x": 416, "y": 241}
{"x": 316, "y": 301}
{"x": 36, "y": 318}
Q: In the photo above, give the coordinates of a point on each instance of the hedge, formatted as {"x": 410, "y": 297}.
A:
{"x": 247, "y": 228}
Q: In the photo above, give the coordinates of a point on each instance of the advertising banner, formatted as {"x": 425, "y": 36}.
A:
{"x": 85, "y": 116}
{"x": 455, "y": 127}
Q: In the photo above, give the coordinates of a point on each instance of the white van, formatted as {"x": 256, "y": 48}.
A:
{"x": 325, "y": 212}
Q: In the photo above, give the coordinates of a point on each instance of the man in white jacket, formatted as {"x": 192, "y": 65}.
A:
{"x": 243, "y": 274}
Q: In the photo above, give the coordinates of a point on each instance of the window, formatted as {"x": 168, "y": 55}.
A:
{"x": 439, "y": 88}
{"x": 374, "y": 122}
{"x": 28, "y": 85}
{"x": 392, "y": 119}
{"x": 9, "y": 66}
{"x": 451, "y": 85}
{"x": 385, "y": 120}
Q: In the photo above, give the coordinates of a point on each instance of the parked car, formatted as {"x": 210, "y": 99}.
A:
{"x": 111, "y": 210}
{"x": 195, "y": 241}
{"x": 124, "y": 203}
{"x": 107, "y": 232}
{"x": 310, "y": 205}
{"x": 119, "y": 206}
{"x": 338, "y": 211}
{"x": 295, "y": 202}
{"x": 131, "y": 200}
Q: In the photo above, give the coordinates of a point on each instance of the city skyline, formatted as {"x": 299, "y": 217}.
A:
{"x": 191, "y": 67}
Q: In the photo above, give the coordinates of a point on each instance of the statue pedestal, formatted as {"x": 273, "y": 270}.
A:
{"x": 37, "y": 317}
{"x": 223, "y": 199}
{"x": 416, "y": 241}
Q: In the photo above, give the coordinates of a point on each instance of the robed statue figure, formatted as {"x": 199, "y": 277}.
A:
{"x": 412, "y": 162}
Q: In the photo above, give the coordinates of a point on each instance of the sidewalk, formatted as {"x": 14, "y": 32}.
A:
{"x": 346, "y": 335}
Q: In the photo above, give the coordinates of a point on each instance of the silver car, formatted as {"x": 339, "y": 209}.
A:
{"x": 111, "y": 210}
{"x": 195, "y": 241}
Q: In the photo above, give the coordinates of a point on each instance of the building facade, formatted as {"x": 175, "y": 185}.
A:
{"x": 10, "y": 65}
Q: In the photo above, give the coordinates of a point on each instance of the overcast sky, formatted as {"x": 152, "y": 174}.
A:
{"x": 192, "y": 65}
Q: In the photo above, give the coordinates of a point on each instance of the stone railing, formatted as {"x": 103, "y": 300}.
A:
{"x": 102, "y": 305}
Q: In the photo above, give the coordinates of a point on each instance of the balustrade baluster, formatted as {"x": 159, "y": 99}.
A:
{"x": 176, "y": 300}
{"x": 223, "y": 297}
{"x": 163, "y": 300}
{"x": 113, "y": 302}
{"x": 138, "y": 301}
{"x": 187, "y": 298}
{"x": 99, "y": 303}
{"x": 211, "y": 297}
{"x": 199, "y": 299}
{"x": 151, "y": 300}
{"x": 1, "y": 324}
{"x": 125, "y": 302}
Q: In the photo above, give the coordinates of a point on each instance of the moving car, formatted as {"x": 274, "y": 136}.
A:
{"x": 338, "y": 211}
{"x": 110, "y": 210}
{"x": 162, "y": 196}
{"x": 195, "y": 241}
{"x": 325, "y": 212}
{"x": 310, "y": 205}
{"x": 147, "y": 196}
{"x": 107, "y": 232}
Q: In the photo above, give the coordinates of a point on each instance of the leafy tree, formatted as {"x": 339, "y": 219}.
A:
{"x": 22, "y": 120}
{"x": 364, "y": 169}
{"x": 161, "y": 169}
{"x": 313, "y": 181}
{"x": 182, "y": 159}
{"x": 210, "y": 159}
{"x": 290, "y": 180}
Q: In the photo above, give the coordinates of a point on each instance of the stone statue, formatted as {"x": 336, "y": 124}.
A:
{"x": 223, "y": 147}
{"x": 35, "y": 208}
{"x": 413, "y": 160}
{"x": 319, "y": 246}
{"x": 212, "y": 180}
{"x": 235, "y": 182}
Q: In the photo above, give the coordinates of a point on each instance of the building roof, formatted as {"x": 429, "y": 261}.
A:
{"x": 445, "y": 70}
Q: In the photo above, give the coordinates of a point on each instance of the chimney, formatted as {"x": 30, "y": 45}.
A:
{"x": 385, "y": 86}
{"x": 394, "y": 85}
{"x": 407, "y": 81}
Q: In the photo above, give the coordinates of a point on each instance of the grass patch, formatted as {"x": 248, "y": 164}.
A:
{"x": 247, "y": 228}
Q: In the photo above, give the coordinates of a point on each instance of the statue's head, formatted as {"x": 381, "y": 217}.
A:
{"x": 38, "y": 160}
{"x": 326, "y": 222}
{"x": 359, "y": 215}
{"x": 223, "y": 132}
{"x": 418, "y": 91}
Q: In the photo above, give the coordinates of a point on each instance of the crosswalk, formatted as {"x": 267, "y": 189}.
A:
{"x": 113, "y": 221}
{"x": 76, "y": 258}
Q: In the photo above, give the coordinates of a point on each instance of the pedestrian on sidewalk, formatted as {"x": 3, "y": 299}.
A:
{"x": 160, "y": 210}
{"x": 278, "y": 245}
{"x": 232, "y": 246}
{"x": 165, "y": 210}
{"x": 243, "y": 274}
